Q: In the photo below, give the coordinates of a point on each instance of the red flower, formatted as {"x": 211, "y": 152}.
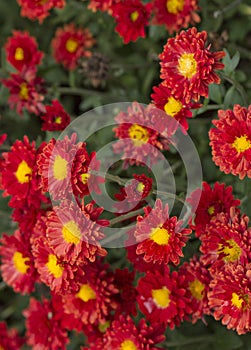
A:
{"x": 179, "y": 109}
{"x": 175, "y": 14}
{"x": 37, "y": 9}
{"x": 161, "y": 238}
{"x": 70, "y": 44}
{"x": 131, "y": 17}
{"x": 188, "y": 67}
{"x": 231, "y": 141}
{"x": 26, "y": 91}
{"x": 227, "y": 239}
{"x": 55, "y": 118}
{"x": 196, "y": 284}
{"x": 9, "y": 338}
{"x": 161, "y": 297}
{"x": 43, "y": 326}
{"x": 138, "y": 260}
{"x": 101, "y": 5}
{"x": 211, "y": 202}
{"x": 17, "y": 263}
{"x": 21, "y": 50}
{"x": 230, "y": 297}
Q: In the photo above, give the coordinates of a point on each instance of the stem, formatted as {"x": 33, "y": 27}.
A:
{"x": 65, "y": 90}
{"x": 227, "y": 8}
{"x": 206, "y": 338}
{"x": 2, "y": 285}
{"x": 236, "y": 85}
{"x": 115, "y": 178}
{"x": 126, "y": 216}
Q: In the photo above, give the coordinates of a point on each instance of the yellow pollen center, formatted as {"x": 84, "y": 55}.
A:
{"x": 237, "y": 300}
{"x": 128, "y": 345}
{"x": 241, "y": 143}
{"x": 140, "y": 187}
{"x": 71, "y": 45}
{"x": 24, "y": 91}
{"x": 86, "y": 293}
{"x": 160, "y": 236}
{"x": 19, "y": 54}
{"x": 134, "y": 16}
{"x": 102, "y": 327}
{"x": 60, "y": 168}
{"x": 187, "y": 65}
{"x": 174, "y": 6}
{"x": 197, "y": 289}
{"x": 23, "y": 173}
{"x": 173, "y": 106}
{"x": 230, "y": 249}
{"x": 161, "y": 297}
{"x": 1, "y": 348}
{"x": 138, "y": 134}
{"x": 58, "y": 120}
{"x": 71, "y": 232}
{"x": 54, "y": 267}
{"x": 85, "y": 178}
{"x": 211, "y": 210}
{"x": 20, "y": 263}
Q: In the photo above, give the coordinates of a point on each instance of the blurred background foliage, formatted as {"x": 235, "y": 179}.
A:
{"x": 128, "y": 73}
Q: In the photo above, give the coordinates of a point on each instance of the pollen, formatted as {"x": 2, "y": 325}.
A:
{"x": 241, "y": 143}
{"x": 173, "y": 106}
{"x": 160, "y": 236}
{"x": 86, "y": 293}
{"x": 84, "y": 178}
{"x": 23, "y": 173}
{"x": 60, "y": 168}
{"x": 54, "y": 267}
{"x": 230, "y": 249}
{"x": 161, "y": 297}
{"x": 71, "y": 45}
{"x": 174, "y": 6}
{"x": 19, "y": 54}
{"x": 197, "y": 289}
{"x": 20, "y": 262}
{"x": 138, "y": 134}
{"x": 128, "y": 345}
{"x": 140, "y": 187}
{"x": 58, "y": 120}
{"x": 211, "y": 210}
{"x": 71, "y": 233}
{"x": 24, "y": 91}
{"x": 237, "y": 300}
{"x": 187, "y": 65}
{"x": 134, "y": 16}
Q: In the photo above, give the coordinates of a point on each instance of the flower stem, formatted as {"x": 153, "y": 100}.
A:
{"x": 65, "y": 90}
{"x": 126, "y": 216}
{"x": 227, "y": 8}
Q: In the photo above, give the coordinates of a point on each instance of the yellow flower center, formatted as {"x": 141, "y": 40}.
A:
{"x": 60, "y": 168}
{"x": 197, "y": 289}
{"x": 54, "y": 267}
{"x": 58, "y": 120}
{"x": 71, "y": 232}
{"x": 85, "y": 178}
{"x": 211, "y": 210}
{"x": 173, "y": 106}
{"x": 128, "y": 345}
{"x": 161, "y": 297}
{"x": 134, "y": 16}
{"x": 20, "y": 262}
{"x": 86, "y": 293}
{"x": 1, "y": 348}
{"x": 174, "y": 6}
{"x": 19, "y": 54}
{"x": 160, "y": 236}
{"x": 138, "y": 134}
{"x": 187, "y": 65}
{"x": 23, "y": 173}
{"x": 102, "y": 327}
{"x": 24, "y": 91}
{"x": 241, "y": 143}
{"x": 238, "y": 300}
{"x": 230, "y": 249}
{"x": 140, "y": 187}
{"x": 71, "y": 45}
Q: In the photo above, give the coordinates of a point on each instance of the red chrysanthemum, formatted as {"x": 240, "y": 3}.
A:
{"x": 175, "y": 14}
{"x": 160, "y": 238}
{"x": 17, "y": 262}
{"x": 196, "y": 284}
{"x": 131, "y": 16}
{"x": 212, "y": 200}
{"x": 38, "y": 9}
{"x": 26, "y": 91}
{"x": 230, "y": 297}
{"x": 70, "y": 44}
{"x": 19, "y": 175}
{"x": 101, "y": 5}
{"x": 162, "y": 297}
{"x": 44, "y": 326}
{"x": 179, "y": 109}
{"x": 55, "y": 118}
{"x": 188, "y": 67}
{"x": 138, "y": 260}
{"x": 231, "y": 141}
{"x": 22, "y": 50}
{"x": 95, "y": 297}
{"x": 9, "y": 338}
{"x": 124, "y": 334}
{"x": 227, "y": 239}
{"x": 139, "y": 141}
